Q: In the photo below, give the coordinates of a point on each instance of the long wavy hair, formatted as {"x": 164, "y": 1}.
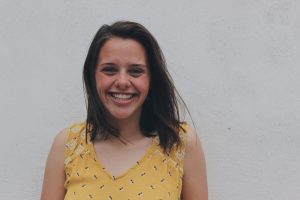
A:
{"x": 160, "y": 111}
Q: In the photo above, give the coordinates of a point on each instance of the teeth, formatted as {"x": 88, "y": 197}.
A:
{"x": 122, "y": 96}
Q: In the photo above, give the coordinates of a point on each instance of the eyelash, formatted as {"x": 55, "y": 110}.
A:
{"x": 136, "y": 71}
{"x": 111, "y": 71}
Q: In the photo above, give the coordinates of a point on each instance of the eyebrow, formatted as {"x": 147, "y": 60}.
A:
{"x": 109, "y": 63}
{"x": 132, "y": 65}
{"x": 138, "y": 65}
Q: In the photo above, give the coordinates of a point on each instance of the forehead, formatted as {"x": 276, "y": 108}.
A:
{"x": 122, "y": 48}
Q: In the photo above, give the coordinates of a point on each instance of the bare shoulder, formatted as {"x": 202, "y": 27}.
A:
{"x": 58, "y": 145}
{"x": 54, "y": 176}
{"x": 194, "y": 179}
{"x": 192, "y": 139}
{"x": 61, "y": 138}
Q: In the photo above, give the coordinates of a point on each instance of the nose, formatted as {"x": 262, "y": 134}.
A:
{"x": 122, "y": 81}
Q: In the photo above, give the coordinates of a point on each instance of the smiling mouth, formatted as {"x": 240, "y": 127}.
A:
{"x": 121, "y": 96}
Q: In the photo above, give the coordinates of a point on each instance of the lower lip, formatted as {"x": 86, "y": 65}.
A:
{"x": 122, "y": 102}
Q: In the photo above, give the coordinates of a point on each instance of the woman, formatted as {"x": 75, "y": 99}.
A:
{"x": 132, "y": 144}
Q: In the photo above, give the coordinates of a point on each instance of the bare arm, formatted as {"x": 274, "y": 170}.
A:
{"x": 54, "y": 177}
{"x": 194, "y": 186}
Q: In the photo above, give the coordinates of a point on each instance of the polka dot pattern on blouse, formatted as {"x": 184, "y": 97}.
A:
{"x": 156, "y": 176}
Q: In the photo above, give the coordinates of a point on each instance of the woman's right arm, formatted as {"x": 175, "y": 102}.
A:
{"x": 54, "y": 176}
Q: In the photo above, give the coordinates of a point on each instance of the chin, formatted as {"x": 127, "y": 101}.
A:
{"x": 122, "y": 115}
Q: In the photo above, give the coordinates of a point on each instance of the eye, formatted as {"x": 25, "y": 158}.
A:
{"x": 109, "y": 70}
{"x": 136, "y": 72}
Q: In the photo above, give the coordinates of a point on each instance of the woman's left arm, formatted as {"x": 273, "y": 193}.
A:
{"x": 194, "y": 185}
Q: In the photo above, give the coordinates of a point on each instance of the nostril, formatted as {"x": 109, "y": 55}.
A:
{"x": 122, "y": 84}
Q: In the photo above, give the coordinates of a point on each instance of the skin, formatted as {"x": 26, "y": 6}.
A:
{"x": 122, "y": 69}
{"x": 194, "y": 184}
{"x": 54, "y": 176}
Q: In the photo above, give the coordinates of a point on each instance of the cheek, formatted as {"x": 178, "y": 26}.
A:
{"x": 144, "y": 85}
{"x": 101, "y": 81}
{"x": 101, "y": 84}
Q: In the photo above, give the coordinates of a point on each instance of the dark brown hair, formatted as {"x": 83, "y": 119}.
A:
{"x": 160, "y": 111}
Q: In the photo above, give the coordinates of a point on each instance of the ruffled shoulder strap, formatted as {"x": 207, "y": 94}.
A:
{"x": 177, "y": 154}
{"x": 183, "y": 136}
{"x": 75, "y": 146}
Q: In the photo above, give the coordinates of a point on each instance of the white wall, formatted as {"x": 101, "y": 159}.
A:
{"x": 236, "y": 63}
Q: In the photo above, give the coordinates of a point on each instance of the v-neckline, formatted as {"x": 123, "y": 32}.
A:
{"x": 97, "y": 160}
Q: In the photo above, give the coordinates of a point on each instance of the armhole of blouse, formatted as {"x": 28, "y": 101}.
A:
{"x": 75, "y": 133}
{"x": 70, "y": 136}
{"x": 183, "y": 136}
{"x": 68, "y": 151}
{"x": 70, "y": 146}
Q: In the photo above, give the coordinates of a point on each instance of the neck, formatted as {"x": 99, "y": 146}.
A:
{"x": 129, "y": 128}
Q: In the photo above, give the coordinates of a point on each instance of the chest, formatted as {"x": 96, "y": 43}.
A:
{"x": 117, "y": 160}
{"x": 99, "y": 171}
{"x": 157, "y": 176}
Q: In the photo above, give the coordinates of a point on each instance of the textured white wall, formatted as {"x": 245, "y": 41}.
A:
{"x": 236, "y": 63}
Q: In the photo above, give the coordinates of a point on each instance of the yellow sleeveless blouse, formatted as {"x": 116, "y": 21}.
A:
{"x": 156, "y": 176}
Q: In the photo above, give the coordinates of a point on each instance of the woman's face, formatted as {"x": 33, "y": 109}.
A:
{"x": 122, "y": 77}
